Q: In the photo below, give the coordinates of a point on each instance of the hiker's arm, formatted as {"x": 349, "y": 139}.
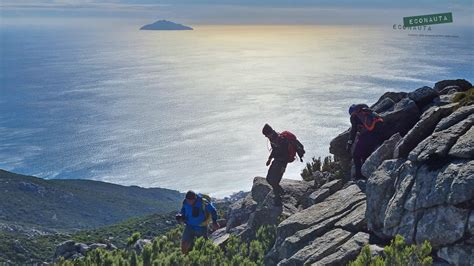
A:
{"x": 183, "y": 212}
{"x": 212, "y": 210}
{"x": 354, "y": 123}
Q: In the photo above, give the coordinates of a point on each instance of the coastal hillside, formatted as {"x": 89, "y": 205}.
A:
{"x": 28, "y": 202}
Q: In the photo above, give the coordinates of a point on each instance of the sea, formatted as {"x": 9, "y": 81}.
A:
{"x": 102, "y": 100}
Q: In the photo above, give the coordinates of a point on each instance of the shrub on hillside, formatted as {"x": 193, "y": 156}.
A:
{"x": 397, "y": 253}
{"x": 165, "y": 250}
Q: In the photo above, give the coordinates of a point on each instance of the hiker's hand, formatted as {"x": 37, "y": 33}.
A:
{"x": 268, "y": 162}
{"x": 349, "y": 146}
{"x": 215, "y": 226}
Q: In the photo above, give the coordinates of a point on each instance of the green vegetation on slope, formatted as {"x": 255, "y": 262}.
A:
{"x": 165, "y": 250}
{"x": 77, "y": 204}
{"x": 20, "y": 248}
{"x": 397, "y": 253}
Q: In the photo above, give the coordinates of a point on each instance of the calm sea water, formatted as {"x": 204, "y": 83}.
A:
{"x": 184, "y": 110}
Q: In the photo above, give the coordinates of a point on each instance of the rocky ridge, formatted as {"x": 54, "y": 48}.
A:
{"x": 420, "y": 185}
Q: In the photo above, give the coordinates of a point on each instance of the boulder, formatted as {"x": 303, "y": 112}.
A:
{"x": 260, "y": 189}
{"x": 380, "y": 189}
{"x": 437, "y": 145}
{"x": 463, "y": 84}
{"x": 219, "y": 237}
{"x": 401, "y": 118}
{"x": 97, "y": 245}
{"x": 355, "y": 221}
{"x": 319, "y": 248}
{"x": 458, "y": 254}
{"x": 450, "y": 90}
{"x": 239, "y": 212}
{"x": 442, "y": 225}
{"x": 423, "y": 96}
{"x": 325, "y": 191}
{"x": 347, "y": 251}
{"x": 422, "y": 129}
{"x": 395, "y": 212}
{"x": 298, "y": 230}
{"x": 82, "y": 248}
{"x": 320, "y": 178}
{"x": 383, "y": 105}
{"x": 460, "y": 114}
{"x": 384, "y": 152}
{"x": 393, "y": 96}
{"x": 140, "y": 245}
{"x": 464, "y": 146}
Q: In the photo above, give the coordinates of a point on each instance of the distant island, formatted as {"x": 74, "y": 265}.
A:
{"x": 165, "y": 25}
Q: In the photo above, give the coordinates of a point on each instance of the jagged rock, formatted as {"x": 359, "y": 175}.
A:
{"x": 422, "y": 129}
{"x": 380, "y": 188}
{"x": 337, "y": 146}
{"x": 458, "y": 255}
{"x": 460, "y": 114}
{"x": 260, "y": 189}
{"x": 394, "y": 212}
{"x": 423, "y": 96}
{"x": 463, "y": 84}
{"x": 384, "y": 105}
{"x": 450, "y": 90}
{"x": 346, "y": 252}
{"x": 355, "y": 221}
{"x": 470, "y": 224}
{"x": 401, "y": 119}
{"x": 299, "y": 229}
{"x": 82, "y": 248}
{"x": 325, "y": 191}
{"x": 140, "y": 245}
{"x": 319, "y": 248}
{"x": 439, "y": 143}
{"x": 376, "y": 250}
{"x": 464, "y": 146}
{"x": 321, "y": 178}
{"x": 239, "y": 212}
{"x": 384, "y": 152}
{"x": 220, "y": 237}
{"x": 394, "y": 96}
{"x": 453, "y": 184}
{"x": 441, "y": 225}
{"x": 97, "y": 245}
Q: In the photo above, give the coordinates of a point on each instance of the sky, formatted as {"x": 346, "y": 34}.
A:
{"x": 244, "y": 11}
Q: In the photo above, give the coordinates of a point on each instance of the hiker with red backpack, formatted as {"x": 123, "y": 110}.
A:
{"x": 285, "y": 146}
{"x": 368, "y": 125}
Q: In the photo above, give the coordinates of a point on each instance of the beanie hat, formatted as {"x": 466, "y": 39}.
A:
{"x": 267, "y": 129}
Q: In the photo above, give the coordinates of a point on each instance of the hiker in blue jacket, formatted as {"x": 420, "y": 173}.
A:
{"x": 197, "y": 211}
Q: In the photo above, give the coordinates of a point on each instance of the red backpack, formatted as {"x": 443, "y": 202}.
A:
{"x": 294, "y": 146}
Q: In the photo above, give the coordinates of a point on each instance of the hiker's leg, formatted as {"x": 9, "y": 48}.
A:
{"x": 359, "y": 156}
{"x": 186, "y": 240}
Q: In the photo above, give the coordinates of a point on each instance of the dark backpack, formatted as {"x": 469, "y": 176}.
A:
{"x": 294, "y": 146}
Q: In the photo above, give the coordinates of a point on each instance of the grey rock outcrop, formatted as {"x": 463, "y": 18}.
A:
{"x": 384, "y": 152}
{"x": 73, "y": 250}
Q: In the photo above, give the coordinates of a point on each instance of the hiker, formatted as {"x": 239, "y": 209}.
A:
{"x": 285, "y": 146}
{"x": 369, "y": 126}
{"x": 197, "y": 211}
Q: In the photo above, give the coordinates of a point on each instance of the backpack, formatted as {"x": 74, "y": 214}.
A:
{"x": 367, "y": 117}
{"x": 294, "y": 146}
{"x": 206, "y": 200}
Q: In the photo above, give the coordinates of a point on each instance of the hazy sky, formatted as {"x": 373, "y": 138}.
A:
{"x": 244, "y": 11}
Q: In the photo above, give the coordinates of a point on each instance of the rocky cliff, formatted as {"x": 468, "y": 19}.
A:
{"x": 420, "y": 185}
